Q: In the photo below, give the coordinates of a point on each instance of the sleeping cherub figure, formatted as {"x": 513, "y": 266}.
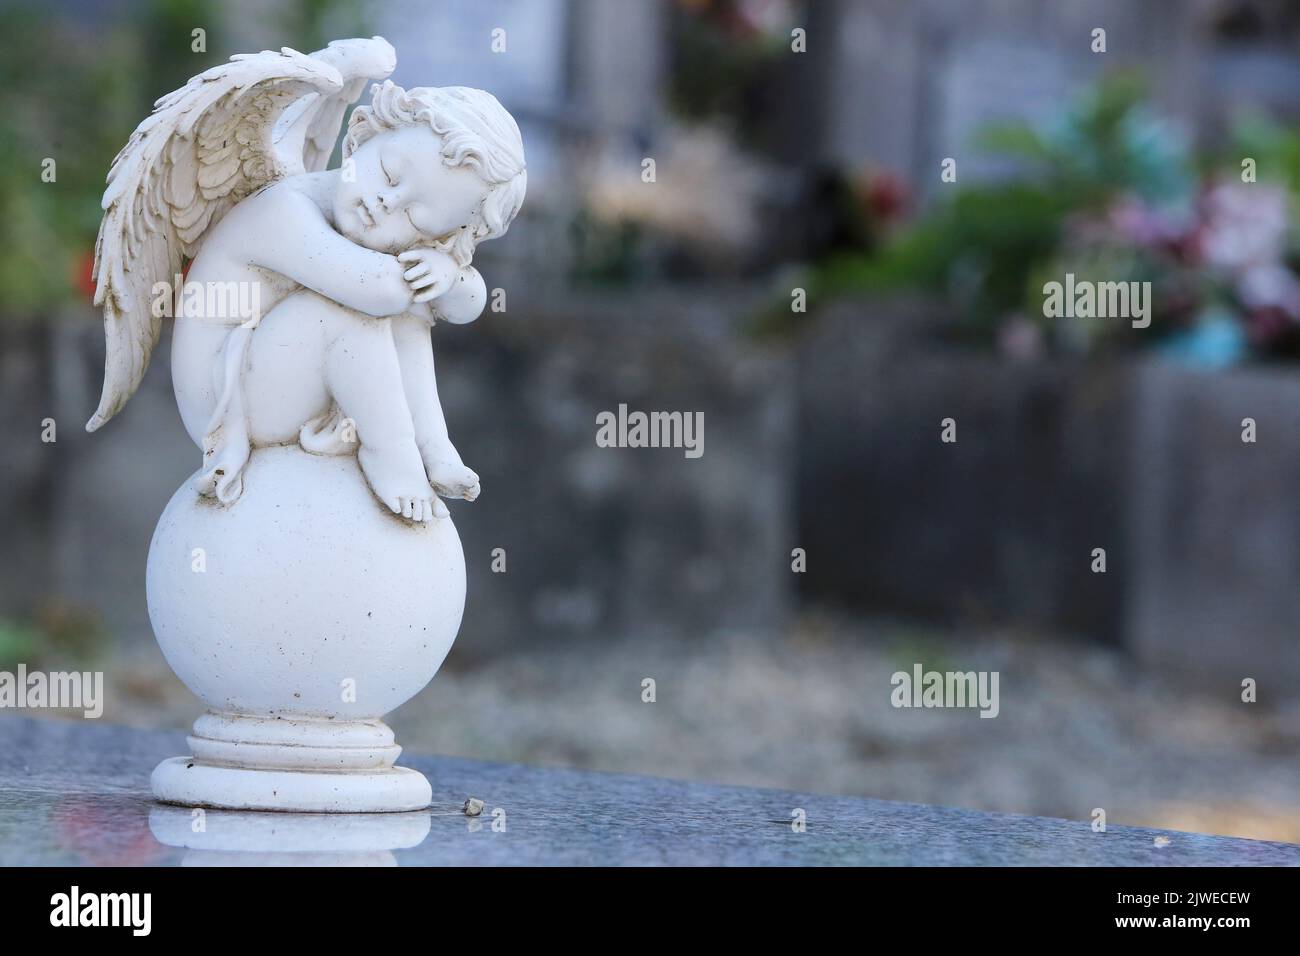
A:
{"x": 352, "y": 266}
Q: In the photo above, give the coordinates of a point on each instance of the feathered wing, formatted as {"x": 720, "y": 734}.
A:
{"x": 206, "y": 146}
{"x": 358, "y": 62}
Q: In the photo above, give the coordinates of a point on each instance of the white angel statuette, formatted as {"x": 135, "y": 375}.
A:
{"x": 348, "y": 268}
{"x": 302, "y": 336}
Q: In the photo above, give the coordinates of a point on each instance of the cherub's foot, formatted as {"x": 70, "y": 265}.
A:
{"x": 396, "y": 476}
{"x": 449, "y": 476}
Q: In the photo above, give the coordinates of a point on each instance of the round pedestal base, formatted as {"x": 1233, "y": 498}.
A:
{"x": 186, "y": 781}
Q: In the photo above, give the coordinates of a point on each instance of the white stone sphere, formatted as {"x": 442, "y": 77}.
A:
{"x": 272, "y": 605}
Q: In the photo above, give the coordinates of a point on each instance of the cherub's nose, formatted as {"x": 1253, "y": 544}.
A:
{"x": 386, "y": 199}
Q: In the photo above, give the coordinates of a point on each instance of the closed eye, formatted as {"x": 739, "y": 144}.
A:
{"x": 387, "y": 174}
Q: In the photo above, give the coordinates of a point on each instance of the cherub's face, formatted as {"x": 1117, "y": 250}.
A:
{"x": 403, "y": 194}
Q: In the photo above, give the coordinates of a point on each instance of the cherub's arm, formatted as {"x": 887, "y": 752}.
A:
{"x": 305, "y": 247}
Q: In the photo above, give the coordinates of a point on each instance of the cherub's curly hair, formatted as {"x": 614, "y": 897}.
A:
{"x": 476, "y": 132}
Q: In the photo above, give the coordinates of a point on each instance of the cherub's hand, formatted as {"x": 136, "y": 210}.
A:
{"x": 431, "y": 274}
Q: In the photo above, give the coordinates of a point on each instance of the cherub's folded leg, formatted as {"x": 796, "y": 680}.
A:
{"x": 442, "y": 463}
{"x": 365, "y": 380}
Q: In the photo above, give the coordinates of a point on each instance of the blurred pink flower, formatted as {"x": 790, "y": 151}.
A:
{"x": 1245, "y": 224}
{"x": 1270, "y": 285}
{"x": 1144, "y": 225}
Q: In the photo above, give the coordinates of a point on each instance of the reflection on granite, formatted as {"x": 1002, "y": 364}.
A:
{"x": 76, "y": 792}
{"x": 227, "y": 838}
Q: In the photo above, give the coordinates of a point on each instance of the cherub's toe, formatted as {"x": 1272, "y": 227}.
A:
{"x": 440, "y": 509}
{"x": 394, "y": 505}
{"x": 406, "y": 507}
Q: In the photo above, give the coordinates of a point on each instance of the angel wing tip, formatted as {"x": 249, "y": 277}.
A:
{"x": 96, "y": 422}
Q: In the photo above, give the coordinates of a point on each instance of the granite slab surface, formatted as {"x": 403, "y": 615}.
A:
{"x": 75, "y": 792}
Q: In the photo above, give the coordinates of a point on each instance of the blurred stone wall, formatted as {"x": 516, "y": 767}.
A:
{"x": 1215, "y": 542}
{"x": 1053, "y": 459}
{"x": 996, "y": 527}
{"x": 600, "y": 542}
{"x": 605, "y": 542}
{"x": 832, "y": 446}
{"x": 27, "y": 467}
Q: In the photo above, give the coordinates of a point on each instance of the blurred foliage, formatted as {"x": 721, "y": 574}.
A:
{"x": 72, "y": 89}
{"x": 57, "y": 633}
{"x": 607, "y": 253}
{"x": 67, "y": 96}
{"x": 979, "y": 251}
{"x": 1106, "y": 142}
{"x": 1274, "y": 148}
{"x": 1107, "y": 192}
{"x": 982, "y": 248}
{"x": 19, "y": 643}
{"x": 314, "y": 23}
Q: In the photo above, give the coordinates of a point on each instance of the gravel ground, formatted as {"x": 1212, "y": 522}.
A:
{"x": 1079, "y": 727}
